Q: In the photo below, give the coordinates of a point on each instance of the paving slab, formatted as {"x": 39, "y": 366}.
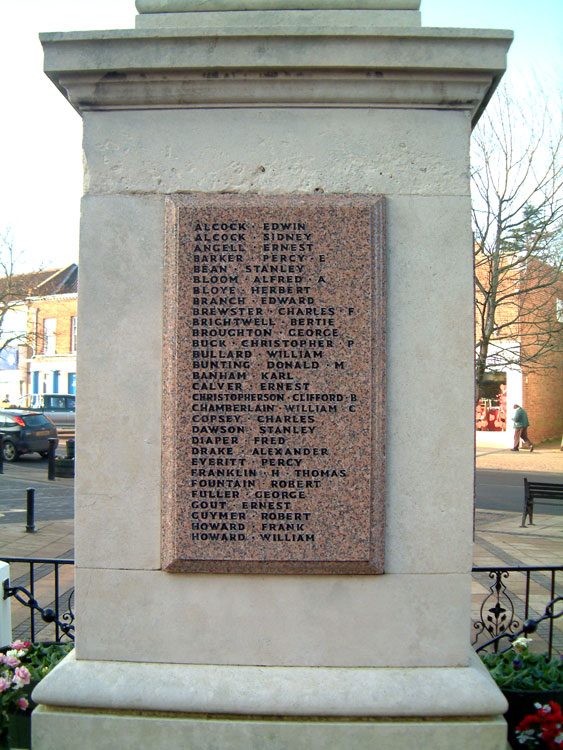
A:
{"x": 545, "y": 458}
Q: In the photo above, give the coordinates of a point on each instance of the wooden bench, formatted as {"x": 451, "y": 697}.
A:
{"x": 542, "y": 492}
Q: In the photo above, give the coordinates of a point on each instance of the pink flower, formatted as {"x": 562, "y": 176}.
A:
{"x": 21, "y": 677}
{"x": 4, "y": 685}
{"x": 22, "y": 703}
{"x": 17, "y": 644}
{"x": 10, "y": 659}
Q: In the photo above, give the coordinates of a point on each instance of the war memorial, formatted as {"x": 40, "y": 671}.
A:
{"x": 273, "y": 542}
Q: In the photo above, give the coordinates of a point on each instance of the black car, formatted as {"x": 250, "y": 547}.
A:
{"x": 25, "y": 432}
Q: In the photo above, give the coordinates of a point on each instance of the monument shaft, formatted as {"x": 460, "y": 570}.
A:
{"x": 207, "y": 135}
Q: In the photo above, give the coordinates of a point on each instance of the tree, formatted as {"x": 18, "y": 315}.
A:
{"x": 14, "y": 288}
{"x": 517, "y": 186}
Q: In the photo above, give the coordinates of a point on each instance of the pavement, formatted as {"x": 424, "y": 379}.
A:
{"x": 53, "y": 538}
{"x": 499, "y": 539}
{"x": 546, "y": 457}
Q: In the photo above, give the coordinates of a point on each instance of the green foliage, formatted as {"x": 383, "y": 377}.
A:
{"x": 42, "y": 657}
{"x": 22, "y": 666}
{"x": 525, "y": 671}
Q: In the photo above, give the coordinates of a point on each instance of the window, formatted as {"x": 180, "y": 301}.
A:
{"x": 494, "y": 383}
{"x": 55, "y": 402}
{"x": 559, "y": 310}
{"x": 49, "y": 335}
{"x": 36, "y": 420}
{"x": 73, "y": 334}
{"x": 490, "y": 412}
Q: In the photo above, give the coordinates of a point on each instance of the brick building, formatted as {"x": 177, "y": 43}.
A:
{"x": 42, "y": 327}
{"x": 542, "y": 387}
{"x": 533, "y": 336}
{"x": 52, "y": 333}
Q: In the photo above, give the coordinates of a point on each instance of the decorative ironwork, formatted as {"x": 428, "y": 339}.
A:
{"x": 60, "y": 613}
{"x": 530, "y": 626}
{"x": 67, "y": 617}
{"x": 497, "y": 613}
{"x": 504, "y": 615}
{"x": 65, "y": 622}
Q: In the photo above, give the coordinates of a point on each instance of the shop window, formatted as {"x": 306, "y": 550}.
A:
{"x": 490, "y": 412}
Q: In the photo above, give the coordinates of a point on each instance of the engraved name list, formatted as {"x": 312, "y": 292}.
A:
{"x": 273, "y": 401}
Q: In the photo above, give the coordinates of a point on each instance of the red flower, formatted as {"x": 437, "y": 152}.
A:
{"x": 546, "y": 723}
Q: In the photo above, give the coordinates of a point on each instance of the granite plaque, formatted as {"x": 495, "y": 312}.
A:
{"x": 273, "y": 384}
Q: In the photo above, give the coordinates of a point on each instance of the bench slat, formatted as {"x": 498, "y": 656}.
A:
{"x": 539, "y": 488}
{"x": 541, "y": 492}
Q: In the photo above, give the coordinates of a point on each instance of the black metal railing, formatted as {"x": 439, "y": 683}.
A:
{"x": 516, "y": 596}
{"x": 503, "y": 641}
{"x": 56, "y": 599}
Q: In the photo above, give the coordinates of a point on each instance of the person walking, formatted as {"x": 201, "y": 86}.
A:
{"x": 521, "y": 424}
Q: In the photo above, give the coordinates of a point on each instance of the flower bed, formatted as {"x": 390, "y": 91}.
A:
{"x": 22, "y": 666}
{"x": 543, "y": 729}
{"x": 528, "y": 681}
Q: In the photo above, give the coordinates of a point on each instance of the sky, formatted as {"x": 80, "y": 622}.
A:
{"x": 40, "y": 148}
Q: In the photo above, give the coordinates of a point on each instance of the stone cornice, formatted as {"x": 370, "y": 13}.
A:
{"x": 321, "y": 66}
{"x": 52, "y": 297}
{"x": 182, "y": 6}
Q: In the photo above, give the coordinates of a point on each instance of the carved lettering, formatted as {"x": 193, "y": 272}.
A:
{"x": 269, "y": 384}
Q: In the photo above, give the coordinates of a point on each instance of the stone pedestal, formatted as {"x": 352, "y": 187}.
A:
{"x": 270, "y": 102}
{"x": 5, "y": 609}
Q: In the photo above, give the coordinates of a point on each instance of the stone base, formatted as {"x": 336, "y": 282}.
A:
{"x": 60, "y": 729}
{"x": 101, "y": 705}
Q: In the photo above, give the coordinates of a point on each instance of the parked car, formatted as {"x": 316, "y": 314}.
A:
{"x": 25, "y": 432}
{"x": 59, "y": 407}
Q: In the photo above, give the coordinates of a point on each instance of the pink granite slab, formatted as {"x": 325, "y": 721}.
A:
{"x": 273, "y": 406}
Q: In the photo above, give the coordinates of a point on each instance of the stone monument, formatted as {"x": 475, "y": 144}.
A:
{"x": 275, "y": 410}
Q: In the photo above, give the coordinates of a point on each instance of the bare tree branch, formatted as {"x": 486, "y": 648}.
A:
{"x": 517, "y": 187}
{"x": 14, "y": 288}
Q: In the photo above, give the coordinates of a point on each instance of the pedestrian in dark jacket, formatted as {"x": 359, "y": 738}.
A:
{"x": 521, "y": 424}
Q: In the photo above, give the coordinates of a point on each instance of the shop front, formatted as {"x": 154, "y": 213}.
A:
{"x": 500, "y": 390}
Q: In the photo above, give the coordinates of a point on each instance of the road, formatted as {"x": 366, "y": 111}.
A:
{"x": 496, "y": 490}
{"x": 504, "y": 490}
{"x": 53, "y": 499}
